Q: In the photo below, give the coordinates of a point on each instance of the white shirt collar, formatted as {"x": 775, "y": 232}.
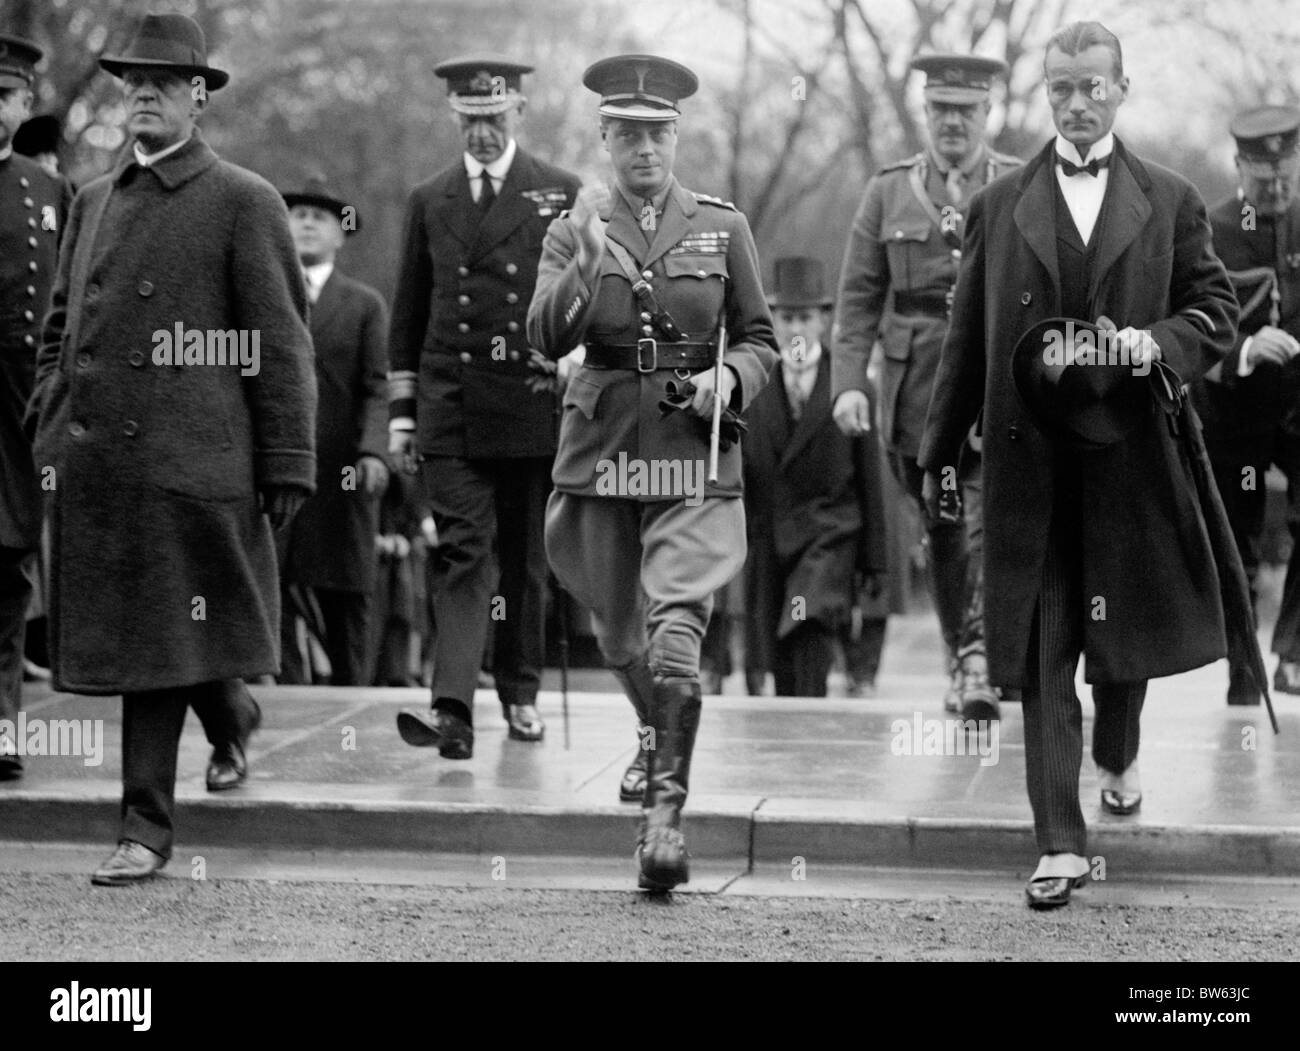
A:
{"x": 7, "y": 152}
{"x": 498, "y": 169}
{"x": 148, "y": 160}
{"x": 1103, "y": 147}
{"x": 319, "y": 273}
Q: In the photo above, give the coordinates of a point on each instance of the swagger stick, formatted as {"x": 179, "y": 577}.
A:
{"x": 715, "y": 436}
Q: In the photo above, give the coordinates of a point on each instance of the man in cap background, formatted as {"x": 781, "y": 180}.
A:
{"x": 1250, "y": 403}
{"x": 895, "y": 287}
{"x": 33, "y": 207}
{"x": 171, "y": 465}
{"x": 812, "y": 499}
{"x": 1096, "y": 550}
{"x": 331, "y": 544}
{"x": 465, "y": 397}
{"x": 642, "y": 273}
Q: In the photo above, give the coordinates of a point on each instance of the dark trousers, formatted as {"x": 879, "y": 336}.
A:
{"x": 152, "y": 722}
{"x": 15, "y": 595}
{"x": 474, "y": 503}
{"x": 802, "y": 661}
{"x": 1053, "y": 716}
{"x": 346, "y": 617}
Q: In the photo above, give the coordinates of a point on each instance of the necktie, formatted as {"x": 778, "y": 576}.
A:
{"x": 954, "y": 183}
{"x": 487, "y": 194}
{"x": 1091, "y": 168}
{"x": 312, "y": 291}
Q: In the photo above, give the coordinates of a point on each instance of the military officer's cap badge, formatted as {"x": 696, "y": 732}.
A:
{"x": 959, "y": 79}
{"x": 1266, "y": 135}
{"x": 18, "y": 61}
{"x": 640, "y": 87}
{"x": 483, "y": 85}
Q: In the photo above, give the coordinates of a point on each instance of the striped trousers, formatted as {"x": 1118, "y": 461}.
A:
{"x": 1053, "y": 716}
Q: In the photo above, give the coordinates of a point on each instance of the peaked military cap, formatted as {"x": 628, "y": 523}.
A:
{"x": 317, "y": 193}
{"x": 960, "y": 79}
{"x": 39, "y": 135}
{"x": 18, "y": 61}
{"x": 640, "y": 87}
{"x": 1266, "y": 134}
{"x": 482, "y": 85}
{"x": 174, "y": 42}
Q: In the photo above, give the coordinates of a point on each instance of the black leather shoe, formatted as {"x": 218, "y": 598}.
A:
{"x": 663, "y": 859}
{"x": 1053, "y": 892}
{"x": 1121, "y": 804}
{"x": 524, "y": 722}
{"x": 11, "y": 768}
{"x": 228, "y": 764}
{"x": 1287, "y": 677}
{"x": 661, "y": 851}
{"x": 131, "y": 862}
{"x": 452, "y": 735}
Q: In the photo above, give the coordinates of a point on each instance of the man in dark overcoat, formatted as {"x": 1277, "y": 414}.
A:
{"x": 1098, "y": 551}
{"x": 331, "y": 543}
{"x": 812, "y": 502}
{"x": 175, "y": 408}
{"x": 33, "y": 208}
{"x": 468, "y": 397}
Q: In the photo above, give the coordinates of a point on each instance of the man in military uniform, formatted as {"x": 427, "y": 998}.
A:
{"x": 896, "y": 287}
{"x": 33, "y": 206}
{"x": 643, "y": 273}
{"x": 1249, "y": 404}
{"x": 469, "y": 398}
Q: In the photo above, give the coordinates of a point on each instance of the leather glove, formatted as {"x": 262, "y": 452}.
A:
{"x": 679, "y": 396}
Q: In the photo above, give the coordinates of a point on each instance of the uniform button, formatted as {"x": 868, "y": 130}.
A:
{"x": 645, "y": 315}
{"x": 463, "y": 300}
{"x": 956, "y": 253}
{"x": 28, "y": 202}
{"x": 647, "y": 274}
{"x": 462, "y": 271}
{"x": 462, "y": 327}
{"x": 32, "y": 266}
{"x": 76, "y": 429}
{"x": 130, "y": 428}
{"x": 1026, "y": 299}
{"x": 898, "y": 235}
{"x": 145, "y": 289}
{"x": 1013, "y": 432}
{"x": 701, "y": 273}
{"x": 30, "y": 340}
{"x": 24, "y": 182}
{"x": 513, "y": 326}
{"x": 31, "y": 221}
{"x": 465, "y": 356}
{"x": 31, "y": 240}
{"x": 92, "y": 290}
{"x": 514, "y": 355}
{"x": 512, "y": 297}
{"x": 511, "y": 269}
{"x": 136, "y": 358}
{"x": 31, "y": 291}
{"x": 646, "y": 330}
{"x": 28, "y": 315}
{"x": 83, "y": 360}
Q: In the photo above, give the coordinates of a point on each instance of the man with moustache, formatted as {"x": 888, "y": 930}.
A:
{"x": 1250, "y": 403}
{"x": 169, "y": 477}
{"x": 331, "y": 542}
{"x": 642, "y": 273}
{"x": 895, "y": 288}
{"x": 33, "y": 207}
{"x": 1088, "y": 549}
{"x": 470, "y": 400}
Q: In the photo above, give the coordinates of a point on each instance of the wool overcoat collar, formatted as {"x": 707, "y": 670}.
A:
{"x": 174, "y": 170}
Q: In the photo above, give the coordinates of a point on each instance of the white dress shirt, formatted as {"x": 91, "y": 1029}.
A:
{"x": 1084, "y": 193}
{"x": 497, "y": 171}
{"x": 800, "y": 376}
{"x": 316, "y": 276}
{"x": 148, "y": 160}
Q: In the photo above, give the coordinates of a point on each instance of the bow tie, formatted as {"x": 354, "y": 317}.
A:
{"x": 1091, "y": 168}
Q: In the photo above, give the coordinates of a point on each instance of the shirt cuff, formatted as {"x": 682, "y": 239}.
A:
{"x": 1244, "y": 365}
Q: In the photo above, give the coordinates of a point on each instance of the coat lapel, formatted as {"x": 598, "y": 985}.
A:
{"x": 1127, "y": 211}
{"x": 1034, "y": 214}
{"x": 510, "y": 210}
{"x": 680, "y": 207}
{"x": 814, "y": 413}
{"x": 623, "y": 227}
{"x": 326, "y": 306}
{"x": 461, "y": 211}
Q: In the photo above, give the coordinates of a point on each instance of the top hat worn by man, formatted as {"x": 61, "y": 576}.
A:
{"x": 895, "y": 287}
{"x": 33, "y": 207}
{"x": 643, "y": 272}
{"x": 175, "y": 405}
{"x": 331, "y": 543}
{"x": 465, "y": 397}
{"x": 1094, "y": 549}
{"x": 812, "y": 498}
{"x": 1250, "y": 404}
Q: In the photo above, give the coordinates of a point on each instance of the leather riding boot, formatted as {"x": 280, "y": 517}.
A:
{"x": 638, "y": 684}
{"x": 661, "y": 850}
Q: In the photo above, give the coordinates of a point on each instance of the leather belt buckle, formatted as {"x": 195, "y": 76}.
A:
{"x": 641, "y": 347}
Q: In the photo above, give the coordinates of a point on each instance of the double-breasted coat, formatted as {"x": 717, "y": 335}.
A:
{"x": 163, "y": 570}
{"x": 1146, "y": 555}
{"x": 813, "y": 515}
{"x": 332, "y": 539}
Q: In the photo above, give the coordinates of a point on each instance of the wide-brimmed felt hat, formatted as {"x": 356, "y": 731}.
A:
{"x": 168, "y": 42}
{"x": 316, "y": 191}
{"x": 798, "y": 281}
{"x": 1075, "y": 384}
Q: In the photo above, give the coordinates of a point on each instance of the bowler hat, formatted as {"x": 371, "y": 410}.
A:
{"x": 1076, "y": 384}
{"x": 168, "y": 42}
{"x": 316, "y": 191}
{"x": 799, "y": 281}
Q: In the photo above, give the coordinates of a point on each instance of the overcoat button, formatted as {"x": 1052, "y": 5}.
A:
{"x": 28, "y": 201}
{"x": 512, "y": 326}
{"x": 146, "y": 289}
{"x": 462, "y": 271}
{"x": 463, "y": 300}
{"x": 514, "y": 355}
{"x": 32, "y": 266}
{"x": 511, "y": 269}
{"x": 1013, "y": 432}
{"x": 24, "y": 182}
{"x": 465, "y": 356}
{"x": 130, "y": 428}
{"x": 31, "y": 290}
{"x": 28, "y": 315}
{"x": 92, "y": 290}
{"x": 31, "y": 221}
{"x": 136, "y": 358}
{"x": 76, "y": 429}
{"x": 462, "y": 327}
{"x": 512, "y": 297}
{"x": 32, "y": 242}
{"x": 30, "y": 340}
{"x": 1026, "y": 299}
{"x": 83, "y": 360}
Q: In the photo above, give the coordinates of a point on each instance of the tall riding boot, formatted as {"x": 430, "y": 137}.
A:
{"x": 661, "y": 850}
{"x": 638, "y": 684}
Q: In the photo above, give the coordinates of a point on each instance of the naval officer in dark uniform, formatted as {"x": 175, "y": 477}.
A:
{"x": 467, "y": 397}
{"x": 33, "y": 206}
{"x": 642, "y": 273}
{"x": 895, "y": 287}
{"x": 1250, "y": 403}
